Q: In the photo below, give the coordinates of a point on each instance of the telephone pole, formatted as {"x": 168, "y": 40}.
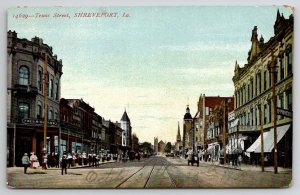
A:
{"x": 273, "y": 69}
{"x": 224, "y": 129}
{"x": 45, "y": 101}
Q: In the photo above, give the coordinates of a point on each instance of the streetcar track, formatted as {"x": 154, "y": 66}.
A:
{"x": 136, "y": 173}
{"x": 149, "y": 175}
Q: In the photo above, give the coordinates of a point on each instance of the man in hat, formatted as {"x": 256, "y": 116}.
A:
{"x": 25, "y": 162}
{"x": 64, "y": 163}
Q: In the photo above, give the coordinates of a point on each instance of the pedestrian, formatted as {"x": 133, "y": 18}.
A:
{"x": 69, "y": 159}
{"x": 64, "y": 163}
{"x": 25, "y": 162}
{"x": 240, "y": 160}
{"x": 44, "y": 161}
{"x": 56, "y": 160}
{"x": 34, "y": 161}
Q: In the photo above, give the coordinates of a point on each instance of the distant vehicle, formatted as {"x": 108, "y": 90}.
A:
{"x": 193, "y": 159}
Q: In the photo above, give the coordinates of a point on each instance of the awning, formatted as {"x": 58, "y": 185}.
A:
{"x": 235, "y": 122}
{"x": 210, "y": 149}
{"x": 268, "y": 139}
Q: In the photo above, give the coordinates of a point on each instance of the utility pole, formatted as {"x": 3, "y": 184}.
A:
{"x": 224, "y": 129}
{"x": 272, "y": 68}
{"x": 45, "y": 101}
{"x": 262, "y": 141}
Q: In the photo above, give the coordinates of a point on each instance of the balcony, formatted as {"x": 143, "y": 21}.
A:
{"x": 25, "y": 90}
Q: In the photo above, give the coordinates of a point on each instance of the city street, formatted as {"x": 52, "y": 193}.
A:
{"x": 153, "y": 172}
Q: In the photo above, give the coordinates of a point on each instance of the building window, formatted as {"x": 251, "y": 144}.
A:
{"x": 270, "y": 79}
{"x": 258, "y": 83}
{"x": 23, "y": 110}
{"x": 206, "y": 111}
{"x": 248, "y": 89}
{"x": 23, "y": 75}
{"x": 289, "y": 94}
{"x": 40, "y": 79}
{"x": 281, "y": 62}
{"x": 47, "y": 84}
{"x": 265, "y": 113}
{"x": 270, "y": 110}
{"x": 289, "y": 61}
{"x": 265, "y": 80}
{"x": 280, "y": 104}
{"x": 51, "y": 88}
{"x": 244, "y": 90}
{"x": 56, "y": 91}
{"x": 257, "y": 115}
{"x": 39, "y": 111}
{"x": 251, "y": 83}
{"x": 275, "y": 72}
{"x": 251, "y": 117}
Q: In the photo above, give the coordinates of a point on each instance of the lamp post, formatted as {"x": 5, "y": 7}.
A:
{"x": 272, "y": 68}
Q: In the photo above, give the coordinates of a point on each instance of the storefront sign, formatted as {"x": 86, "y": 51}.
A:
{"x": 33, "y": 121}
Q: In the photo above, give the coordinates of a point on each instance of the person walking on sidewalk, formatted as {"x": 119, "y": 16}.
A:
{"x": 64, "y": 163}
{"x": 25, "y": 162}
{"x": 240, "y": 160}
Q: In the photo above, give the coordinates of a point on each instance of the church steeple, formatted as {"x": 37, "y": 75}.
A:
{"x": 178, "y": 134}
{"x": 187, "y": 115}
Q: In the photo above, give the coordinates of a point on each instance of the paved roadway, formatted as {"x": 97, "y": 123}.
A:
{"x": 154, "y": 172}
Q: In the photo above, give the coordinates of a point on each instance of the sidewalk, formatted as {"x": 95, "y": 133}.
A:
{"x": 243, "y": 167}
{"x": 75, "y": 167}
{"x": 247, "y": 167}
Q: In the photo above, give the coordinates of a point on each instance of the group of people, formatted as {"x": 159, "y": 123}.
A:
{"x": 31, "y": 161}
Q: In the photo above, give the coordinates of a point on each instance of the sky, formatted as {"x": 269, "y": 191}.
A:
{"x": 152, "y": 63}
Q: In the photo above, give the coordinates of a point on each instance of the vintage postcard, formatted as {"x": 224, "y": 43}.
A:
{"x": 150, "y": 97}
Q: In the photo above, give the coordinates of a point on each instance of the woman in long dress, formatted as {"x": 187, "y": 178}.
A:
{"x": 34, "y": 163}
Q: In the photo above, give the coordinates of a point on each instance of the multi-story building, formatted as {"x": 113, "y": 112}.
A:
{"x": 96, "y": 133}
{"x": 118, "y": 137}
{"x": 71, "y": 134}
{"x": 29, "y": 64}
{"x": 211, "y": 115}
{"x": 253, "y": 90}
{"x": 80, "y": 127}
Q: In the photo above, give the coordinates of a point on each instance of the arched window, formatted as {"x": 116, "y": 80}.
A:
{"x": 23, "y": 75}
{"x": 23, "y": 110}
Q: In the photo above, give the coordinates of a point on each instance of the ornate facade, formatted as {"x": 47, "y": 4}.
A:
{"x": 25, "y": 96}
{"x": 253, "y": 86}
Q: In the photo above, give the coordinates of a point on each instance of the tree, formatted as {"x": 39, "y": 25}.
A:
{"x": 168, "y": 147}
{"x": 146, "y": 147}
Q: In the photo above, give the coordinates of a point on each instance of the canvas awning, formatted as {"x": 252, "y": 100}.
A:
{"x": 268, "y": 139}
{"x": 235, "y": 122}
